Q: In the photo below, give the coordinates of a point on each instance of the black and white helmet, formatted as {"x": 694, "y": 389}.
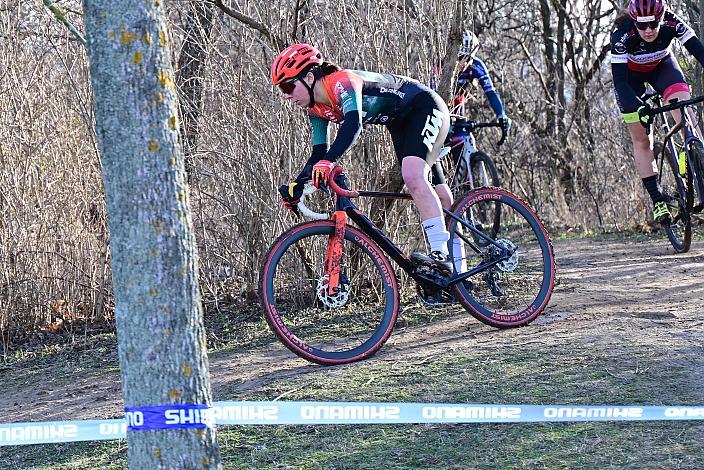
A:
{"x": 469, "y": 44}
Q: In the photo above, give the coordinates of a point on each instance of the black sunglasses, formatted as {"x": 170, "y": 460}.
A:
{"x": 645, "y": 24}
{"x": 288, "y": 86}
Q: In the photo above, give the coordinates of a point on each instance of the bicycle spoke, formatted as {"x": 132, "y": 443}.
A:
{"x": 345, "y": 325}
{"x": 517, "y": 286}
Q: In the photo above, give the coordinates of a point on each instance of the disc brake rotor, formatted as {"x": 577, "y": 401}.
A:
{"x": 336, "y": 300}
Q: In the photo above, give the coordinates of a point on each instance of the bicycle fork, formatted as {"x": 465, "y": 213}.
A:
{"x": 334, "y": 252}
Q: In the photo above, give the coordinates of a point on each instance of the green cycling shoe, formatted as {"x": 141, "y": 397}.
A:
{"x": 664, "y": 212}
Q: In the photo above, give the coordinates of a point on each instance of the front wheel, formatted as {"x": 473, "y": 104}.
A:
{"x": 323, "y": 327}
{"x": 513, "y": 267}
{"x": 482, "y": 173}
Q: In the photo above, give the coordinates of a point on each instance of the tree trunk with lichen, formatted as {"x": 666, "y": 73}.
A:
{"x": 161, "y": 339}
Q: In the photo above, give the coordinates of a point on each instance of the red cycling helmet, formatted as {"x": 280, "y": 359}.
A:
{"x": 293, "y": 60}
{"x": 646, "y": 8}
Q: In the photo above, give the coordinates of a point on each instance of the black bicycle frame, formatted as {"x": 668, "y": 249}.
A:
{"x": 390, "y": 248}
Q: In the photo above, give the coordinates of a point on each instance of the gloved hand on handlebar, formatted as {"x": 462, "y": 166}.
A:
{"x": 321, "y": 172}
{"x": 505, "y": 123}
{"x": 291, "y": 195}
{"x": 644, "y": 117}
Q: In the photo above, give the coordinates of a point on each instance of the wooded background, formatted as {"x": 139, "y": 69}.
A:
{"x": 568, "y": 154}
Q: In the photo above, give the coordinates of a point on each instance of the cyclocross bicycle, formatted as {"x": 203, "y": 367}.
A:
{"x": 680, "y": 169}
{"x": 330, "y": 292}
{"x": 472, "y": 168}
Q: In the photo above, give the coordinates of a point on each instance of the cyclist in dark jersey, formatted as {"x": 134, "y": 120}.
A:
{"x": 473, "y": 68}
{"x": 416, "y": 117}
{"x": 641, "y": 53}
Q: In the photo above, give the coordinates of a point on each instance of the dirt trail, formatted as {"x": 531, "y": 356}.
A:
{"x": 604, "y": 287}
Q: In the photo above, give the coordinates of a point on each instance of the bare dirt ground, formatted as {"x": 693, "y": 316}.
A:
{"x": 621, "y": 289}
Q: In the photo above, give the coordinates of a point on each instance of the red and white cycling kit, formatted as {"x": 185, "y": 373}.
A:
{"x": 635, "y": 62}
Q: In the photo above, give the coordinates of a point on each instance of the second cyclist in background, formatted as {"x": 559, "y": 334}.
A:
{"x": 641, "y": 53}
{"x": 472, "y": 69}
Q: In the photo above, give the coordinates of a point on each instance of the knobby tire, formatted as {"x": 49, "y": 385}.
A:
{"x": 302, "y": 322}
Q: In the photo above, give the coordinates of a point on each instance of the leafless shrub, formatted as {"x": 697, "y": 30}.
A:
{"x": 568, "y": 154}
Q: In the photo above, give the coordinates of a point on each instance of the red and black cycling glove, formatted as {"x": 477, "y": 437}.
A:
{"x": 321, "y": 172}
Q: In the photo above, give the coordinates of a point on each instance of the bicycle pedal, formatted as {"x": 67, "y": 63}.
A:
{"x": 432, "y": 302}
{"x": 436, "y": 298}
{"x": 422, "y": 268}
{"x": 430, "y": 273}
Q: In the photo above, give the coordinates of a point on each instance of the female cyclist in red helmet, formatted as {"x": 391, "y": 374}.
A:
{"x": 640, "y": 54}
{"x": 416, "y": 117}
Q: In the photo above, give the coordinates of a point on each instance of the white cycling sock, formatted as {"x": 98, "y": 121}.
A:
{"x": 437, "y": 235}
{"x": 458, "y": 253}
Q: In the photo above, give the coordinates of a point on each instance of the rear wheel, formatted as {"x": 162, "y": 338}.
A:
{"x": 675, "y": 187}
{"x": 514, "y": 266}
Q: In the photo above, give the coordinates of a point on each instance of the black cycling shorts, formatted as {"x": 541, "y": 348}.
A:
{"x": 666, "y": 78}
{"x": 421, "y": 131}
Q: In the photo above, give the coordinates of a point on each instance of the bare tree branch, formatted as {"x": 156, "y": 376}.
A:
{"x": 454, "y": 39}
{"x": 60, "y": 15}
{"x": 276, "y": 42}
{"x": 535, "y": 69}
